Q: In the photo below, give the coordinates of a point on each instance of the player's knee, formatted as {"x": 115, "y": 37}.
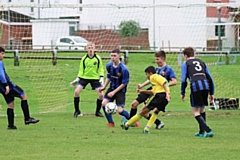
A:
{"x": 135, "y": 104}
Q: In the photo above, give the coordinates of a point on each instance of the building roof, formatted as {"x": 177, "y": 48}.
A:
{"x": 14, "y": 16}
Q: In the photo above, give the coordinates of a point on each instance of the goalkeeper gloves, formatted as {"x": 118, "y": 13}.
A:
{"x": 75, "y": 82}
{"x": 101, "y": 80}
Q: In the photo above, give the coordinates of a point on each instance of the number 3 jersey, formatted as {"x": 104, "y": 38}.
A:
{"x": 198, "y": 74}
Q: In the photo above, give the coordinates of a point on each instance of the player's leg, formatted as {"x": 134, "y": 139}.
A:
{"x": 157, "y": 103}
{"x": 197, "y": 103}
{"x": 140, "y": 99}
{"x": 120, "y": 98}
{"x": 81, "y": 85}
{"x": 25, "y": 108}
{"x": 159, "y": 123}
{"x": 108, "y": 116}
{"x": 10, "y": 111}
{"x": 95, "y": 85}
{"x": 18, "y": 92}
{"x": 135, "y": 118}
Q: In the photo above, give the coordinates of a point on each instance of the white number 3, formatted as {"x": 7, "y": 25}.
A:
{"x": 198, "y": 66}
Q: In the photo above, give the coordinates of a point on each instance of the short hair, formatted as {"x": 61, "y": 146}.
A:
{"x": 188, "y": 51}
{"x": 2, "y": 49}
{"x": 150, "y": 69}
{"x": 160, "y": 54}
{"x": 90, "y": 44}
{"x": 116, "y": 51}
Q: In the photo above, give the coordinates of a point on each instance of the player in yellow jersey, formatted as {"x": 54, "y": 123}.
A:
{"x": 160, "y": 96}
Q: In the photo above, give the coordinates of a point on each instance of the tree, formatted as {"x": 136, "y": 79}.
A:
{"x": 129, "y": 28}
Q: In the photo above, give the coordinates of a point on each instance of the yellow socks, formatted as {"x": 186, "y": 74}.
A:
{"x": 134, "y": 119}
{"x": 151, "y": 121}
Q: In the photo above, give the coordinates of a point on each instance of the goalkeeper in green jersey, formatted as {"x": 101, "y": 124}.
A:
{"x": 90, "y": 71}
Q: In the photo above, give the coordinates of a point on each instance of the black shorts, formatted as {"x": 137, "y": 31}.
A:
{"x": 94, "y": 83}
{"x": 119, "y": 97}
{"x": 158, "y": 101}
{"x": 142, "y": 97}
{"x": 14, "y": 92}
{"x": 199, "y": 99}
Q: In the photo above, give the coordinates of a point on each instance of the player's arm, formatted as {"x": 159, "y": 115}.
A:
{"x": 105, "y": 84}
{"x": 101, "y": 71}
{"x": 211, "y": 83}
{"x": 145, "y": 91}
{"x": 80, "y": 73}
{"x": 165, "y": 86}
{"x": 184, "y": 80}
{"x": 3, "y": 78}
{"x": 143, "y": 84}
{"x": 173, "y": 77}
{"x": 173, "y": 82}
{"x": 81, "y": 68}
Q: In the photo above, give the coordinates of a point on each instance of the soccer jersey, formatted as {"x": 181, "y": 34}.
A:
{"x": 199, "y": 76}
{"x": 167, "y": 72}
{"x": 117, "y": 75}
{"x": 4, "y": 79}
{"x": 157, "y": 82}
{"x": 91, "y": 68}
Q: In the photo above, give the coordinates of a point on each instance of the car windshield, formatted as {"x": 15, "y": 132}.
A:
{"x": 80, "y": 40}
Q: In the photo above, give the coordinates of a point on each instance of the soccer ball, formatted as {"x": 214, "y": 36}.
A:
{"x": 111, "y": 108}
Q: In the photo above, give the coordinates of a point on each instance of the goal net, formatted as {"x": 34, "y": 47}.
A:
{"x": 44, "y": 36}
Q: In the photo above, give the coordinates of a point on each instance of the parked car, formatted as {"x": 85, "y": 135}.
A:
{"x": 71, "y": 43}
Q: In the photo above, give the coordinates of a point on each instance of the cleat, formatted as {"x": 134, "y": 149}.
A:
{"x": 199, "y": 134}
{"x": 124, "y": 126}
{"x": 136, "y": 124}
{"x": 111, "y": 125}
{"x": 208, "y": 134}
{"x": 160, "y": 126}
{"x": 31, "y": 120}
{"x": 145, "y": 131}
{"x": 98, "y": 114}
{"x": 124, "y": 119}
{"x": 77, "y": 113}
{"x": 12, "y": 128}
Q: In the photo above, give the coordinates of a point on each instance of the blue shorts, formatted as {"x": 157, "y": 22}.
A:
{"x": 16, "y": 91}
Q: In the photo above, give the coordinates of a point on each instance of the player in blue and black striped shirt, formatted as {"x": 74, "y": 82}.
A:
{"x": 201, "y": 84}
{"x": 118, "y": 77}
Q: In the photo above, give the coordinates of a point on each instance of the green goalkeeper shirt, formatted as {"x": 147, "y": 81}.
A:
{"x": 91, "y": 68}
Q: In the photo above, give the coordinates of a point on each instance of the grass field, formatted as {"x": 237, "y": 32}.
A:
{"x": 59, "y": 136}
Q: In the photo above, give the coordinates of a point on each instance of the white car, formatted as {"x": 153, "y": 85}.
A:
{"x": 71, "y": 43}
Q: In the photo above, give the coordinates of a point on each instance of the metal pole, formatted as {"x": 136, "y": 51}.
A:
{"x": 154, "y": 43}
{"x": 219, "y": 29}
{"x": 38, "y": 9}
{"x": 9, "y": 28}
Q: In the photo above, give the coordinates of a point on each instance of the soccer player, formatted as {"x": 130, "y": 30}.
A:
{"x": 160, "y": 96}
{"x": 118, "y": 77}
{"x": 201, "y": 84}
{"x": 9, "y": 90}
{"x": 164, "y": 70}
{"x": 90, "y": 71}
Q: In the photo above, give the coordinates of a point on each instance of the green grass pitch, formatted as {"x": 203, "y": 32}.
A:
{"x": 59, "y": 136}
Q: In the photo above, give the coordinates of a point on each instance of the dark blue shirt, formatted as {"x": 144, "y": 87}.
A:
{"x": 167, "y": 72}
{"x": 4, "y": 79}
{"x": 117, "y": 76}
{"x": 198, "y": 74}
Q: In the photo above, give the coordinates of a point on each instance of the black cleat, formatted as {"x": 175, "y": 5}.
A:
{"x": 77, "y": 113}
{"x": 12, "y": 128}
{"x": 31, "y": 120}
{"x": 98, "y": 114}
